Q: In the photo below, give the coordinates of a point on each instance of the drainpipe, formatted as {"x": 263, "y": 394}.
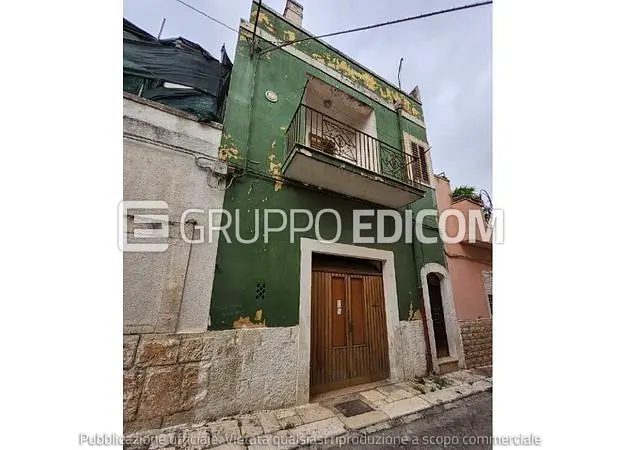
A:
{"x": 427, "y": 343}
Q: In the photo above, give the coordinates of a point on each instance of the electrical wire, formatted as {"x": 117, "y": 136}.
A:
{"x": 377, "y": 25}
{"x": 207, "y": 16}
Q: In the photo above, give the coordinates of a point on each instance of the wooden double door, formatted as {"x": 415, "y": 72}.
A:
{"x": 348, "y": 336}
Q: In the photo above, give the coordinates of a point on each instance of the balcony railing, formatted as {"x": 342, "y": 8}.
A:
{"x": 320, "y": 132}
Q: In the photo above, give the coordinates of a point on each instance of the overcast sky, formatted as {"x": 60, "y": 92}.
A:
{"x": 448, "y": 56}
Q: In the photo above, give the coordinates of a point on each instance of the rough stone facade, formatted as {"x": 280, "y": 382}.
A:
{"x": 170, "y": 379}
{"x": 414, "y": 349}
{"x": 477, "y": 338}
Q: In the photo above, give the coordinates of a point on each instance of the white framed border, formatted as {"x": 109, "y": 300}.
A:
{"x": 453, "y": 331}
{"x": 407, "y": 140}
{"x": 310, "y": 246}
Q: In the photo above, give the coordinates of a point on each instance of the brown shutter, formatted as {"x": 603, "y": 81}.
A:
{"x": 423, "y": 165}
{"x": 420, "y": 167}
{"x": 416, "y": 161}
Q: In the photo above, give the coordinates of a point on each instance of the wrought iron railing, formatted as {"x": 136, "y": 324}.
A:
{"x": 323, "y": 133}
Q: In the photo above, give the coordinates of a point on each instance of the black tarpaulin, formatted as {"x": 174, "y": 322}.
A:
{"x": 175, "y": 72}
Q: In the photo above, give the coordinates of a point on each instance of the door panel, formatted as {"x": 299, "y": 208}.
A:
{"x": 348, "y": 338}
{"x": 338, "y": 312}
{"x": 358, "y": 320}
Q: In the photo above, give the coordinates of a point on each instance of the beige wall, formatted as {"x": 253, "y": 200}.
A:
{"x": 465, "y": 262}
{"x": 170, "y": 291}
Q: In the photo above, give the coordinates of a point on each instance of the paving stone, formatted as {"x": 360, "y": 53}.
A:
{"x": 290, "y": 421}
{"x": 313, "y": 413}
{"x": 409, "y": 388}
{"x": 394, "y": 393}
{"x": 481, "y": 385}
{"x": 380, "y": 426}
{"x": 280, "y": 440}
{"x": 405, "y": 406}
{"x": 463, "y": 389}
{"x": 373, "y": 396}
{"x": 423, "y": 388}
{"x": 268, "y": 421}
{"x": 311, "y": 433}
{"x": 250, "y": 426}
{"x": 224, "y": 432}
{"x": 442, "y": 396}
{"x": 364, "y": 420}
{"x": 288, "y": 412}
{"x": 464, "y": 376}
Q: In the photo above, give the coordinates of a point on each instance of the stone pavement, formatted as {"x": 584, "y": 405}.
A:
{"x": 321, "y": 422}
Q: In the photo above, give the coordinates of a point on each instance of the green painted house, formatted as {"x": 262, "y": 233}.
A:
{"x": 309, "y": 129}
{"x": 319, "y": 205}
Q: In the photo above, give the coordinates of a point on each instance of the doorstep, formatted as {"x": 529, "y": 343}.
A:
{"x": 448, "y": 364}
{"x": 376, "y": 407}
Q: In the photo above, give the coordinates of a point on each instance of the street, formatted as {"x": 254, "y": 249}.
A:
{"x": 455, "y": 428}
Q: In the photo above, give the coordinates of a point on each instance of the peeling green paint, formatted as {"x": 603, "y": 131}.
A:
{"x": 263, "y": 136}
{"x": 284, "y": 31}
{"x": 275, "y": 168}
{"x": 246, "y": 322}
{"x": 228, "y": 150}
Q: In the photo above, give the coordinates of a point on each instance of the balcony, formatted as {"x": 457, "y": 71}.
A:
{"x": 330, "y": 154}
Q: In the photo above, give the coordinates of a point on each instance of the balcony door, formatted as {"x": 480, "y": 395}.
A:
{"x": 340, "y": 125}
{"x": 343, "y": 141}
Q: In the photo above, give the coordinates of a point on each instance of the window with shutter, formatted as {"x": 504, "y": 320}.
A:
{"x": 419, "y": 170}
{"x": 415, "y": 164}
{"x": 423, "y": 164}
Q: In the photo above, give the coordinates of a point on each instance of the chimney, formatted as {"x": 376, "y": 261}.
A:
{"x": 294, "y": 12}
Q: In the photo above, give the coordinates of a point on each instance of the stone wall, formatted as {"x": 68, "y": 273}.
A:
{"x": 170, "y": 379}
{"x": 414, "y": 349}
{"x": 477, "y": 338}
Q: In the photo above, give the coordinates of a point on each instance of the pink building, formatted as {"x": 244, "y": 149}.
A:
{"x": 470, "y": 263}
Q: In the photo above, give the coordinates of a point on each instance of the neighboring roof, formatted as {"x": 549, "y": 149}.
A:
{"x": 462, "y": 198}
{"x": 131, "y": 31}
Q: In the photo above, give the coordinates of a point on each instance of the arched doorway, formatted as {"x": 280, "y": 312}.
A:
{"x": 443, "y": 332}
{"x": 437, "y": 315}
